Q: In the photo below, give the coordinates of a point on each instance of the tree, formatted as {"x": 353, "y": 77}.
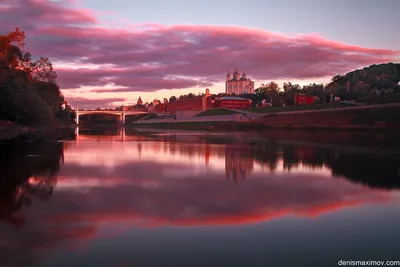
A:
{"x": 272, "y": 91}
{"x": 337, "y": 78}
{"x": 29, "y": 94}
{"x": 42, "y": 71}
{"x": 289, "y": 92}
{"x": 272, "y": 86}
{"x": 289, "y": 87}
{"x": 172, "y": 99}
{"x": 50, "y": 93}
{"x": 10, "y": 49}
{"x": 361, "y": 88}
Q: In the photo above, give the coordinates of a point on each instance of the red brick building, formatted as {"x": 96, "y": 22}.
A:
{"x": 192, "y": 104}
{"x": 160, "y": 108}
{"x": 232, "y": 102}
{"x": 195, "y": 104}
{"x": 304, "y": 100}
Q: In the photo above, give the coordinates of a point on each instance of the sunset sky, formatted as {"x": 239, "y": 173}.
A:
{"x": 109, "y": 53}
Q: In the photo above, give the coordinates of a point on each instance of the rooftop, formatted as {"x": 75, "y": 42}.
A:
{"x": 241, "y": 79}
{"x": 232, "y": 98}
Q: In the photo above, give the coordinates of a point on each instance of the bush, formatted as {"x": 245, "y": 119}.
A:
{"x": 19, "y": 103}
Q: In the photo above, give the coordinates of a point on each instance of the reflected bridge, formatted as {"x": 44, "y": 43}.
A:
{"x": 121, "y": 114}
{"x": 118, "y": 136}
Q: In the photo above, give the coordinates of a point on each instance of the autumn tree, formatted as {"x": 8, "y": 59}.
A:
{"x": 11, "y": 49}
{"x": 29, "y": 93}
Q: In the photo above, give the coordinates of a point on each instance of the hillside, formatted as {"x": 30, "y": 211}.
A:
{"x": 375, "y": 80}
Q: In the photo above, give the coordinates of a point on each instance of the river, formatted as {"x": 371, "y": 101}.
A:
{"x": 195, "y": 199}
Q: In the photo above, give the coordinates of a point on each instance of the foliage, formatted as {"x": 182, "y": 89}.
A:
{"x": 29, "y": 94}
{"x": 373, "y": 80}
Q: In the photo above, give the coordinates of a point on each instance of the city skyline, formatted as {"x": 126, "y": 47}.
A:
{"x": 108, "y": 54}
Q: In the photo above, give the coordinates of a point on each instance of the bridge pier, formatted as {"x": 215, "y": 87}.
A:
{"x": 77, "y": 114}
{"x": 122, "y": 118}
{"x": 122, "y": 133}
{"x": 77, "y": 136}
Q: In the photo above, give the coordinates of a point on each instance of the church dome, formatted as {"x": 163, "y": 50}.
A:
{"x": 236, "y": 74}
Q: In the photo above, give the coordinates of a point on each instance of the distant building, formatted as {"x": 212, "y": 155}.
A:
{"x": 304, "y": 99}
{"x": 156, "y": 102}
{"x": 232, "y": 102}
{"x": 200, "y": 103}
{"x": 238, "y": 85}
{"x": 139, "y": 102}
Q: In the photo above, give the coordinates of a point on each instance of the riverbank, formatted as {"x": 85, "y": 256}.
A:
{"x": 382, "y": 119}
{"x": 10, "y": 131}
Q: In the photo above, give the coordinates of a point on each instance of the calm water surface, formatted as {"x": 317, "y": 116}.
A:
{"x": 195, "y": 200}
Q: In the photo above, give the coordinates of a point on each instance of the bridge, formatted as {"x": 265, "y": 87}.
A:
{"x": 120, "y": 113}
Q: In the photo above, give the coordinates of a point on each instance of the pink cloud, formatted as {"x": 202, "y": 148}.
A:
{"x": 37, "y": 12}
{"x": 94, "y": 103}
{"x": 150, "y": 57}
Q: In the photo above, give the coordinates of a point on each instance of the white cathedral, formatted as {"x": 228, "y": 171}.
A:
{"x": 238, "y": 85}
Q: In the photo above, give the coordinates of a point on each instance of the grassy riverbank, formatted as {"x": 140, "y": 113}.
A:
{"x": 217, "y": 112}
{"x": 298, "y": 108}
{"x": 364, "y": 120}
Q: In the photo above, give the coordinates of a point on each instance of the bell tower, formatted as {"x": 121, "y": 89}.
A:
{"x": 228, "y": 76}
{"x": 236, "y": 74}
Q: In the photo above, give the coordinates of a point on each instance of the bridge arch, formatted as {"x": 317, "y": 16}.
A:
{"x": 121, "y": 114}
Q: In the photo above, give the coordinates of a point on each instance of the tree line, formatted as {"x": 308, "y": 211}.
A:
{"x": 29, "y": 94}
{"x": 369, "y": 82}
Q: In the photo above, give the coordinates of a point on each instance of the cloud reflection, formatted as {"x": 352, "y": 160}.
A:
{"x": 105, "y": 188}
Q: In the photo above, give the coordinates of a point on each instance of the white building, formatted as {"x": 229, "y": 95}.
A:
{"x": 238, "y": 85}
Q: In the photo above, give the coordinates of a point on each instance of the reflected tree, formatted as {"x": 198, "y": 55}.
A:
{"x": 27, "y": 170}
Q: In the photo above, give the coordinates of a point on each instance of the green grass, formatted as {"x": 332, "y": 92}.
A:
{"x": 150, "y": 117}
{"x": 297, "y": 108}
{"x": 133, "y": 118}
{"x": 217, "y": 112}
{"x": 392, "y": 98}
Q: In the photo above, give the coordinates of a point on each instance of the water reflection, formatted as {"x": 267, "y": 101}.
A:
{"x": 107, "y": 188}
{"x": 26, "y": 171}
